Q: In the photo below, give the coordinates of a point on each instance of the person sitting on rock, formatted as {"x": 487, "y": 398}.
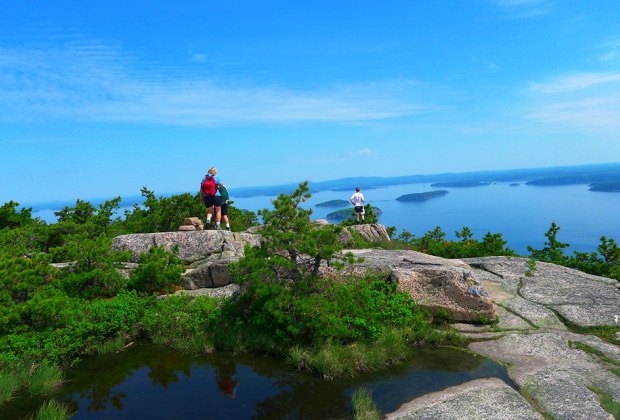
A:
{"x": 357, "y": 199}
{"x": 211, "y": 197}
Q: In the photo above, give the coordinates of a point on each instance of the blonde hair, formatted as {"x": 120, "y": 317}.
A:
{"x": 212, "y": 171}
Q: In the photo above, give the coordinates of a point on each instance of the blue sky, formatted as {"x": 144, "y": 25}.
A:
{"x": 100, "y": 98}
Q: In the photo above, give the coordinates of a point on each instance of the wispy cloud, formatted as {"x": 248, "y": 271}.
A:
{"x": 575, "y": 82}
{"x": 581, "y": 101}
{"x": 486, "y": 65}
{"x": 199, "y": 58}
{"x": 523, "y": 9}
{"x": 610, "y": 52}
{"x": 364, "y": 152}
{"x": 91, "y": 81}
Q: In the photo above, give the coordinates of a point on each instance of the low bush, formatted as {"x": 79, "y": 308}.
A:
{"x": 182, "y": 322}
{"x": 159, "y": 272}
{"x": 316, "y": 310}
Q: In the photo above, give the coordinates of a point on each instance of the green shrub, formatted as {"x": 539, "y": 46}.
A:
{"x": 94, "y": 268}
{"x": 159, "y": 271}
{"x": 434, "y": 242}
{"x": 370, "y": 217}
{"x": 315, "y": 310}
{"x": 607, "y": 265}
{"x": 49, "y": 307}
{"x": 99, "y": 321}
{"x": 177, "y": 320}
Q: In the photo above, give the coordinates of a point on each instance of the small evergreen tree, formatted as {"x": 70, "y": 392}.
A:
{"x": 294, "y": 243}
{"x": 553, "y": 250}
{"x": 11, "y": 218}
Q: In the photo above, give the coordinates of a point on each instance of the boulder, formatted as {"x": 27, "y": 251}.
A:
{"x": 210, "y": 272}
{"x": 254, "y": 229}
{"x": 441, "y": 288}
{"x": 195, "y": 221}
{"x": 230, "y": 292}
{"x": 193, "y": 245}
{"x": 433, "y": 282}
{"x": 187, "y": 228}
{"x": 479, "y": 399}
{"x": 373, "y": 233}
{"x": 345, "y": 237}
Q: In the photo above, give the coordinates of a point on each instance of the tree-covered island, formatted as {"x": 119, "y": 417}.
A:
{"x": 422, "y": 196}
{"x": 334, "y": 203}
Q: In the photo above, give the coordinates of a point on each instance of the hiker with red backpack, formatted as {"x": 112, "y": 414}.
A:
{"x": 211, "y": 197}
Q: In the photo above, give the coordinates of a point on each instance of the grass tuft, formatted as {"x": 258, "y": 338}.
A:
{"x": 300, "y": 358}
{"x": 9, "y": 384}
{"x": 53, "y": 410}
{"x": 111, "y": 346}
{"x": 607, "y": 403}
{"x": 44, "y": 379}
{"x": 593, "y": 351}
{"x": 363, "y": 406}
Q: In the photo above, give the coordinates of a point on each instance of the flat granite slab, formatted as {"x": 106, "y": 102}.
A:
{"x": 583, "y": 299}
{"x": 479, "y": 399}
{"x": 555, "y": 374}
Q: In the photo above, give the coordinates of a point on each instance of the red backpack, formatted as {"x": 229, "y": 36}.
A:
{"x": 208, "y": 186}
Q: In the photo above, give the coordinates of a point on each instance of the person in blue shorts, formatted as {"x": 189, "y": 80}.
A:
{"x": 211, "y": 197}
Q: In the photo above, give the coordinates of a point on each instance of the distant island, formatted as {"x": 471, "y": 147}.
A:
{"x": 600, "y": 177}
{"x": 605, "y": 186}
{"x": 344, "y": 214}
{"x": 515, "y": 184}
{"x": 422, "y": 196}
{"x": 563, "y": 175}
{"x": 334, "y": 203}
{"x": 460, "y": 184}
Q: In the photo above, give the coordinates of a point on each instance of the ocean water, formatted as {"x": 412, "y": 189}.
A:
{"x": 522, "y": 213}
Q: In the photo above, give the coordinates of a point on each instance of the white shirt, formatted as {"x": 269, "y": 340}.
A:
{"x": 357, "y": 199}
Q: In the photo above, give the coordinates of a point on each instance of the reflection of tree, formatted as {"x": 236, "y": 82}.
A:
{"x": 165, "y": 366}
{"x": 95, "y": 378}
{"x": 444, "y": 360}
{"x": 301, "y": 395}
{"x": 305, "y": 396}
{"x": 298, "y": 395}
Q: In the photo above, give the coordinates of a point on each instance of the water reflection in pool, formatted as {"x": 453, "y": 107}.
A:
{"x": 152, "y": 382}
